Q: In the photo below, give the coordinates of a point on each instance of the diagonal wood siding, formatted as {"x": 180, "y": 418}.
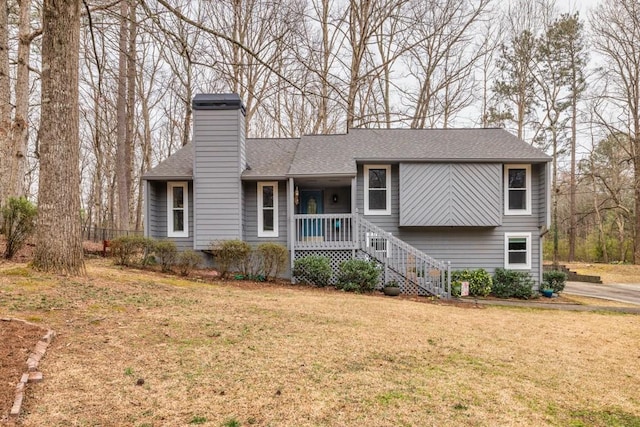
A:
{"x": 440, "y": 194}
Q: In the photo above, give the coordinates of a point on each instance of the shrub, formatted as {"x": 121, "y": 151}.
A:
{"x": 125, "y": 248}
{"x": 356, "y": 275}
{"x": 18, "y": 223}
{"x": 479, "y": 282}
{"x": 231, "y": 255}
{"x": 274, "y": 259}
{"x": 313, "y": 270}
{"x": 555, "y": 280}
{"x": 166, "y": 254}
{"x": 512, "y": 284}
{"x": 188, "y": 261}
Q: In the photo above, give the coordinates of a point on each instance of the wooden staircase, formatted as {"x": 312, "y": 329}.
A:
{"x": 416, "y": 272}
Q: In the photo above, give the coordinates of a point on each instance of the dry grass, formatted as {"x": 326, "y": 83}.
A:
{"x": 212, "y": 354}
{"x": 609, "y": 273}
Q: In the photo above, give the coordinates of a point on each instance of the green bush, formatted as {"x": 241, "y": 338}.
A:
{"x": 231, "y": 255}
{"x": 274, "y": 259}
{"x": 313, "y": 270}
{"x": 479, "y": 282}
{"x": 166, "y": 253}
{"x": 18, "y": 223}
{"x": 188, "y": 261}
{"x": 128, "y": 250}
{"x": 555, "y": 280}
{"x": 512, "y": 284}
{"x": 356, "y": 275}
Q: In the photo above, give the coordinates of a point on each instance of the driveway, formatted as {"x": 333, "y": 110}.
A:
{"x": 628, "y": 293}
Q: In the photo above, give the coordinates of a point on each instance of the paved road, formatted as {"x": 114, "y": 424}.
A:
{"x": 618, "y": 292}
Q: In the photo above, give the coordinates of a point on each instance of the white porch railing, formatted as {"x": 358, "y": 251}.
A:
{"x": 415, "y": 271}
{"x": 324, "y": 231}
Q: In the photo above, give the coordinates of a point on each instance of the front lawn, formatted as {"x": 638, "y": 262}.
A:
{"x": 144, "y": 349}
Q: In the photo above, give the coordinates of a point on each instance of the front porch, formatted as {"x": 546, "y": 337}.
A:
{"x": 345, "y": 236}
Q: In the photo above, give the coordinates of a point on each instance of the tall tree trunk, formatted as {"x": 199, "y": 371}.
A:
{"x": 554, "y": 189}
{"x": 131, "y": 98}
{"x": 58, "y": 230}
{"x": 572, "y": 178}
{"x": 5, "y": 104}
{"x": 636, "y": 182}
{"x": 20, "y": 127}
{"x": 122, "y": 164}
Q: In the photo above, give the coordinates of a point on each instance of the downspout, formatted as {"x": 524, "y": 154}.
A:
{"x": 145, "y": 220}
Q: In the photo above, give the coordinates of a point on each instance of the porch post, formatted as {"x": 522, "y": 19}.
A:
{"x": 354, "y": 216}
{"x": 292, "y": 224}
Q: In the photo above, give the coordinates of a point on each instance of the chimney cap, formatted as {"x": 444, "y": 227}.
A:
{"x": 218, "y": 101}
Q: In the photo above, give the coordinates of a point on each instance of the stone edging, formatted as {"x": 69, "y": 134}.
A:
{"x": 32, "y": 375}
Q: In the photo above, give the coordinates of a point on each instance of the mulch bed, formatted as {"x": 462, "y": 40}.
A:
{"x": 18, "y": 341}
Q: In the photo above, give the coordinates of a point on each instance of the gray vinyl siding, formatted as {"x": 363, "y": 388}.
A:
{"x": 218, "y": 162}
{"x": 450, "y": 194}
{"x": 342, "y": 205}
{"x": 465, "y": 247}
{"x": 251, "y": 215}
{"x": 157, "y": 221}
{"x": 541, "y": 171}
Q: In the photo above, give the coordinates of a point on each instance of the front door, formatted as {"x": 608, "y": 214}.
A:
{"x": 311, "y": 203}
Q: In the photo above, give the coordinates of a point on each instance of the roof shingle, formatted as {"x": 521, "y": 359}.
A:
{"x": 324, "y": 155}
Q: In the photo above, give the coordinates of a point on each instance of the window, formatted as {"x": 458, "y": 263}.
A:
{"x": 517, "y": 248}
{"x": 267, "y": 209}
{"x": 177, "y": 209}
{"x": 377, "y": 190}
{"x": 517, "y": 190}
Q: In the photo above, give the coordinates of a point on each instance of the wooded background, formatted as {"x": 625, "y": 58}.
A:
{"x": 566, "y": 82}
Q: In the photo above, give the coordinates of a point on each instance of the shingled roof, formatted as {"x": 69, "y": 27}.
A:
{"x": 177, "y": 166}
{"x": 324, "y": 155}
{"x": 269, "y": 158}
{"x": 338, "y": 154}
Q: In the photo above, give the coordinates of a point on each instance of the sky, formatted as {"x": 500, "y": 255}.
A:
{"x": 583, "y": 6}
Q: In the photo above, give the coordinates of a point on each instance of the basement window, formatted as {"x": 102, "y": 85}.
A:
{"x": 517, "y": 248}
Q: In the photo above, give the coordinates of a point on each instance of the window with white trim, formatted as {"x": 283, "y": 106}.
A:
{"x": 377, "y": 190}
{"x": 177, "y": 209}
{"x": 268, "y": 209}
{"x": 517, "y": 251}
{"x": 517, "y": 190}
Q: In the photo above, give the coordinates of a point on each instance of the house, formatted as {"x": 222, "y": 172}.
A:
{"x": 418, "y": 201}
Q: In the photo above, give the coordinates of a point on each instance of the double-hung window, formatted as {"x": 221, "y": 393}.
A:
{"x": 177, "y": 209}
{"x": 517, "y": 190}
{"x": 517, "y": 248}
{"x": 377, "y": 190}
{"x": 267, "y": 209}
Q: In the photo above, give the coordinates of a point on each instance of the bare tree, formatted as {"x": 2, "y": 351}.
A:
{"x": 516, "y": 85}
{"x": 5, "y": 105}
{"x": 442, "y": 59}
{"x": 20, "y": 126}
{"x": 123, "y": 164}
{"x": 58, "y": 229}
{"x": 616, "y": 27}
{"x": 558, "y": 71}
